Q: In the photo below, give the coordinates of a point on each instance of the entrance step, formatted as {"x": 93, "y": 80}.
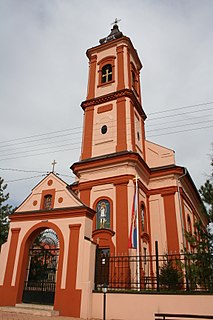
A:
{"x": 34, "y": 309}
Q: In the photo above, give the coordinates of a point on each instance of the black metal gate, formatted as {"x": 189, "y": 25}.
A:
{"x": 102, "y": 267}
{"x": 40, "y": 281}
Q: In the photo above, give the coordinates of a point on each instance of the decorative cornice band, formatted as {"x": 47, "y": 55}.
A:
{"x": 113, "y": 96}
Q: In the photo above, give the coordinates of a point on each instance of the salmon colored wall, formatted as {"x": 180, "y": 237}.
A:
{"x": 50, "y": 185}
{"x": 144, "y": 306}
{"x": 104, "y": 143}
{"x": 157, "y": 222}
{"x": 157, "y": 155}
{"x": 171, "y": 223}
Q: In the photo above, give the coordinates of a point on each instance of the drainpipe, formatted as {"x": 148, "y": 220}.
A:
{"x": 180, "y": 206}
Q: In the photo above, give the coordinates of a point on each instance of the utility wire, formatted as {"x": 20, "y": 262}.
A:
{"x": 22, "y": 170}
{"x": 40, "y": 135}
{"x": 180, "y": 131}
{"x": 190, "y": 124}
{"x": 184, "y": 107}
{"x": 180, "y": 114}
{"x": 79, "y": 127}
{"x": 27, "y": 178}
{"x": 110, "y": 126}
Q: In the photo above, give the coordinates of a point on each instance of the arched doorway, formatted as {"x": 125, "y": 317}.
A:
{"x": 40, "y": 281}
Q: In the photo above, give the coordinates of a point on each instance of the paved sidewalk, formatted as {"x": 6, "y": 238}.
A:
{"x": 21, "y": 316}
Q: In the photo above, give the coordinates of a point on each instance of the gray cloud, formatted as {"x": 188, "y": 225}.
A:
{"x": 44, "y": 71}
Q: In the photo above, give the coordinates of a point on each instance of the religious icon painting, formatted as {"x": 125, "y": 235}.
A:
{"x": 103, "y": 214}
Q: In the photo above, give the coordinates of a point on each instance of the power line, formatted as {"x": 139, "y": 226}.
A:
{"x": 80, "y": 127}
{"x": 180, "y": 131}
{"x": 21, "y": 170}
{"x": 40, "y": 135}
{"x": 181, "y": 120}
{"x": 180, "y": 114}
{"x": 190, "y": 124}
{"x": 39, "y": 154}
{"x": 184, "y": 107}
{"x": 27, "y": 178}
{"x": 71, "y": 149}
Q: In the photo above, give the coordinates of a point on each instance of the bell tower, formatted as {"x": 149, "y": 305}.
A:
{"x": 113, "y": 142}
{"x": 113, "y": 114}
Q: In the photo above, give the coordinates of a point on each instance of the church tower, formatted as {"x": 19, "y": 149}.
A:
{"x": 114, "y": 118}
{"x": 113, "y": 138}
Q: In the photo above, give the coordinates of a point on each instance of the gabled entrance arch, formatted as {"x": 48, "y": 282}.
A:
{"x": 41, "y": 273}
{"x": 23, "y": 257}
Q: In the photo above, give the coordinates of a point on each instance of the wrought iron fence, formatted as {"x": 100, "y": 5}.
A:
{"x": 172, "y": 272}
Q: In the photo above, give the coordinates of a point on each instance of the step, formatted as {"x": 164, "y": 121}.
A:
{"x": 34, "y": 309}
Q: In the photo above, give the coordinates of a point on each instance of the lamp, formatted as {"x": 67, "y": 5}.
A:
{"x": 104, "y": 290}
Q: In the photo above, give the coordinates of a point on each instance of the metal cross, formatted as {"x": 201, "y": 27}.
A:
{"x": 53, "y": 164}
{"x": 116, "y": 21}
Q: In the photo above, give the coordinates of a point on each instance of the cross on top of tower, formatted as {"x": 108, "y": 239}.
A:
{"x": 53, "y": 164}
{"x": 114, "y": 34}
{"x": 116, "y": 21}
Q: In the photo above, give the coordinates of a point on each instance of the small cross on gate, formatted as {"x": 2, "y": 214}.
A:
{"x": 53, "y": 164}
{"x": 116, "y": 21}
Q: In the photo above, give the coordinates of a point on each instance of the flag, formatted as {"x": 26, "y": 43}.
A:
{"x": 133, "y": 226}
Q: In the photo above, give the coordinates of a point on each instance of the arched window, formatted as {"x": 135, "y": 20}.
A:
{"x": 106, "y": 73}
{"x": 133, "y": 79}
{"x": 189, "y": 224}
{"x": 142, "y": 218}
{"x": 103, "y": 214}
{"x": 48, "y": 201}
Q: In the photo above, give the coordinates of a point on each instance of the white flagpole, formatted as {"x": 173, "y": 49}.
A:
{"x": 137, "y": 226}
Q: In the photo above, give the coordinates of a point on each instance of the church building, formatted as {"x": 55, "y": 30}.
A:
{"x": 119, "y": 173}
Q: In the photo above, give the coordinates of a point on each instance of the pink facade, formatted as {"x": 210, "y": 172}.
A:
{"x": 97, "y": 209}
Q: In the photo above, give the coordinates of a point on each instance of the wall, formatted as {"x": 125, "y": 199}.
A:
{"x": 144, "y": 306}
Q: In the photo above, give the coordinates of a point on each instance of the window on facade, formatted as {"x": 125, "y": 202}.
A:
{"x": 106, "y": 73}
{"x": 103, "y": 214}
{"x": 104, "y": 129}
{"x": 142, "y": 218}
{"x": 133, "y": 79}
{"x": 48, "y": 202}
{"x": 189, "y": 225}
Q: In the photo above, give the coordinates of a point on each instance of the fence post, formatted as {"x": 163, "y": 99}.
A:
{"x": 157, "y": 265}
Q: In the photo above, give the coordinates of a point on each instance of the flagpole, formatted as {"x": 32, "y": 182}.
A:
{"x": 137, "y": 226}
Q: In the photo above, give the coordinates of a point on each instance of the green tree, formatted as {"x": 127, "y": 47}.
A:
{"x": 200, "y": 258}
{"x": 206, "y": 192}
{"x": 170, "y": 277}
{"x": 5, "y": 211}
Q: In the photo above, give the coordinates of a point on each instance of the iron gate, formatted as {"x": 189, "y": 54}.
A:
{"x": 39, "y": 286}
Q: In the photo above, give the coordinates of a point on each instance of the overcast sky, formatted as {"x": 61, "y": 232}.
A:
{"x": 44, "y": 70}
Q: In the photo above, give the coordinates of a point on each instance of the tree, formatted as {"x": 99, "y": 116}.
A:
{"x": 170, "y": 277}
{"x": 206, "y": 192}
{"x": 5, "y": 211}
{"x": 199, "y": 266}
